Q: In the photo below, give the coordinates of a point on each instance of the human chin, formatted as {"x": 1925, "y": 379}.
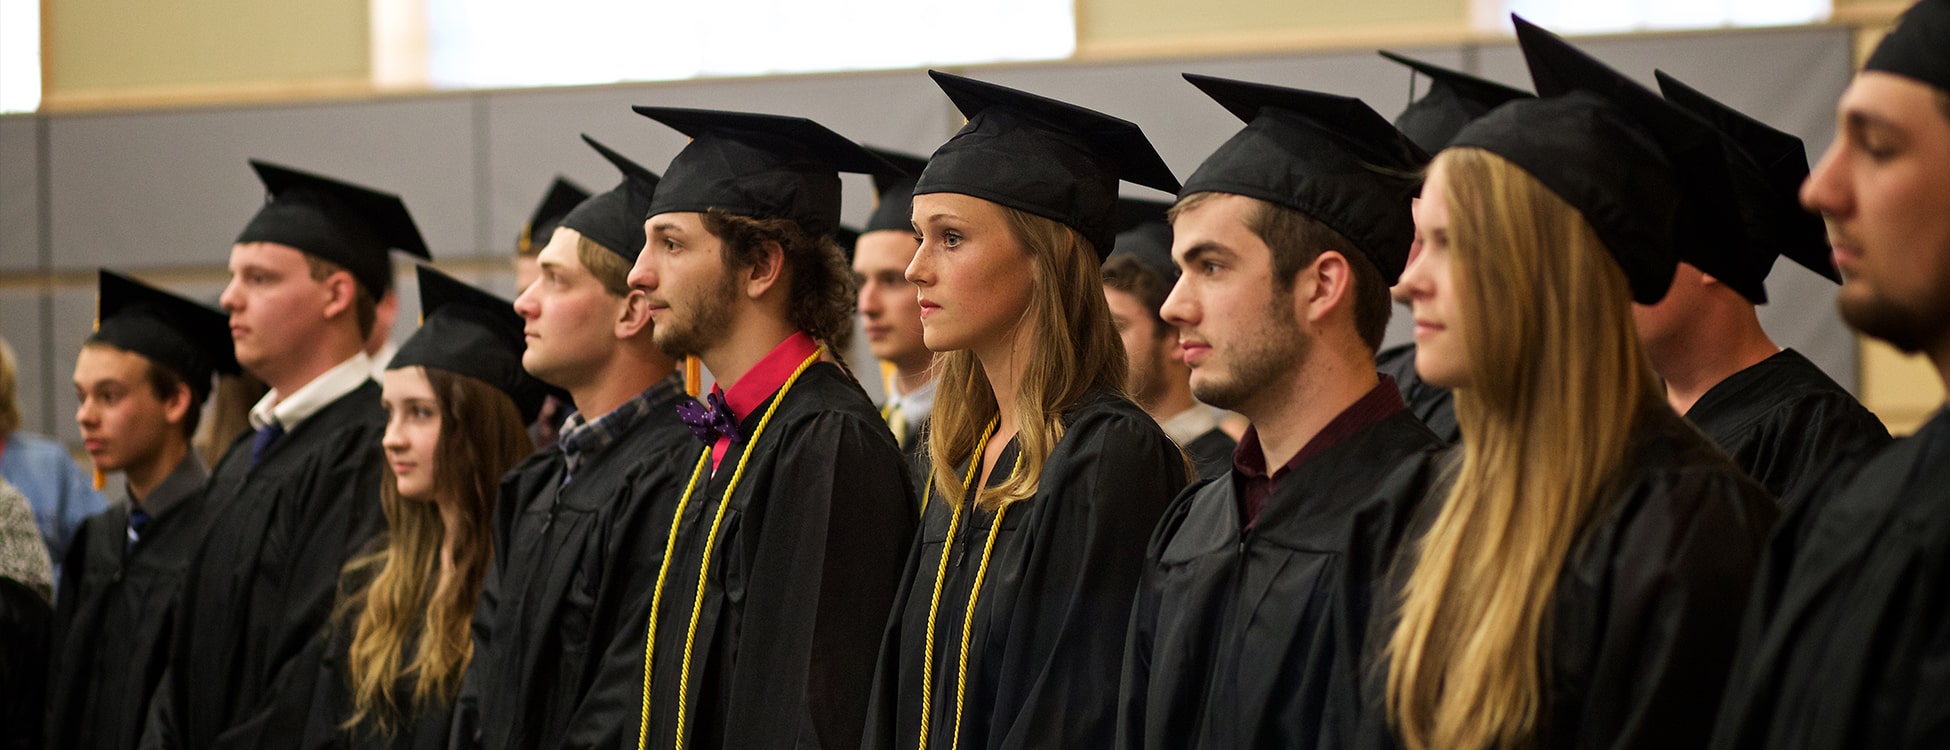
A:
{"x": 416, "y": 484}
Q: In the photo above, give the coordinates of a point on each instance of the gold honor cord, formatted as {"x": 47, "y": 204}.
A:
{"x": 974, "y": 595}
{"x": 704, "y": 570}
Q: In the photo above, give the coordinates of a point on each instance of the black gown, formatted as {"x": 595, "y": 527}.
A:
{"x": 1248, "y": 637}
{"x": 1212, "y": 453}
{"x": 804, "y": 570}
{"x": 1642, "y": 624}
{"x": 1848, "y": 641}
{"x": 1786, "y": 423}
{"x": 573, "y": 568}
{"x": 115, "y": 616}
{"x": 1047, "y": 637}
{"x": 1433, "y": 405}
{"x": 263, "y": 584}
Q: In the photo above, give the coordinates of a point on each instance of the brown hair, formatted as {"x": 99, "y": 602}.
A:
{"x": 230, "y": 409}
{"x": 1125, "y": 274}
{"x": 481, "y": 438}
{"x": 822, "y": 290}
{"x": 9, "y": 391}
{"x": 1074, "y": 349}
{"x": 365, "y": 309}
{"x": 609, "y": 268}
{"x": 164, "y": 381}
{"x": 1557, "y": 379}
{"x": 1296, "y": 240}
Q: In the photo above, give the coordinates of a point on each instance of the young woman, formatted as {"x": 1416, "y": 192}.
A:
{"x": 1046, "y": 480}
{"x": 457, "y": 405}
{"x": 1581, "y": 582}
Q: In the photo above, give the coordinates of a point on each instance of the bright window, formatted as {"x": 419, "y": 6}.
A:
{"x": 1587, "y": 16}
{"x": 20, "y": 55}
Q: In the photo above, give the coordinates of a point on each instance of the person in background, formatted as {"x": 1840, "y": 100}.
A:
{"x": 26, "y": 612}
{"x": 890, "y": 313}
{"x": 60, "y": 493}
{"x": 562, "y": 197}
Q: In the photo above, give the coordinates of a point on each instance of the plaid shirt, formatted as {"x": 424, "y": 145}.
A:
{"x": 581, "y": 437}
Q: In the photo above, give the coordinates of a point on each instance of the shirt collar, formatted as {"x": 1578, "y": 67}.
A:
{"x": 1379, "y": 403}
{"x": 581, "y": 436}
{"x": 182, "y": 482}
{"x": 915, "y": 404}
{"x": 768, "y": 376}
{"x": 291, "y": 410}
{"x": 1190, "y": 424}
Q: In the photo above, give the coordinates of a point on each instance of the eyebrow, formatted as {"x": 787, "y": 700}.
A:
{"x": 666, "y": 227}
{"x": 1204, "y": 249}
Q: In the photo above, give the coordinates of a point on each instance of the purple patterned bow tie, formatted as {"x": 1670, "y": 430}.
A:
{"x": 709, "y": 423}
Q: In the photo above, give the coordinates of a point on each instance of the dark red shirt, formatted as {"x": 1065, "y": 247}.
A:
{"x": 1249, "y": 462}
{"x": 760, "y": 382}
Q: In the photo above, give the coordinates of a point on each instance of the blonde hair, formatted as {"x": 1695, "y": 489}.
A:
{"x": 481, "y": 438}
{"x": 610, "y": 269}
{"x": 9, "y": 391}
{"x": 1557, "y": 381}
{"x": 1074, "y": 348}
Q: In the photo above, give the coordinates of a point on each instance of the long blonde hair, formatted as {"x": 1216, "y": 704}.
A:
{"x": 481, "y": 438}
{"x": 1074, "y": 348}
{"x": 1557, "y": 381}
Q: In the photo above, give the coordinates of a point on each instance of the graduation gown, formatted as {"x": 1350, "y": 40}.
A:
{"x": 1848, "y": 637}
{"x": 115, "y": 617}
{"x": 1252, "y": 636}
{"x": 1785, "y": 422}
{"x": 1212, "y": 453}
{"x": 263, "y": 584}
{"x": 805, "y": 567}
{"x": 1047, "y": 639}
{"x": 1433, "y": 405}
{"x": 573, "y": 569}
{"x": 1641, "y": 627}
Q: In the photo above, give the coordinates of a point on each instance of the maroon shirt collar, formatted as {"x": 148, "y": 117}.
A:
{"x": 1249, "y": 463}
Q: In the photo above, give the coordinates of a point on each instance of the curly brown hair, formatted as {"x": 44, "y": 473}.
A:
{"x": 821, "y": 289}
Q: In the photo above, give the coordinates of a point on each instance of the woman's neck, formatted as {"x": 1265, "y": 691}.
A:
{"x": 1003, "y": 366}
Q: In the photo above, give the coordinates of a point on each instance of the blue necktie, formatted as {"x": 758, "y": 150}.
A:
{"x": 265, "y": 438}
{"x": 137, "y": 519}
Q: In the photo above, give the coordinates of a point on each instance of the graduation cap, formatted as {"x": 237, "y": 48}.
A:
{"x": 562, "y": 197}
{"x": 1708, "y": 218}
{"x": 614, "y": 219}
{"x": 1919, "y": 46}
{"x": 337, "y": 221}
{"x": 467, "y": 331}
{"x": 1454, "y": 98}
{"x": 1329, "y": 157}
{"x": 186, "y": 337}
{"x": 758, "y": 165}
{"x": 1767, "y": 167}
{"x": 1144, "y": 234}
{"x": 847, "y": 238}
{"x": 1049, "y": 158}
{"x": 893, "y": 207}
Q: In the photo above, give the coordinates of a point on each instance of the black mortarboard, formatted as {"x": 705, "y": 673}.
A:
{"x": 847, "y": 238}
{"x": 758, "y": 165}
{"x": 1049, "y": 158}
{"x": 1766, "y": 167}
{"x": 1919, "y": 46}
{"x": 346, "y": 224}
{"x": 563, "y": 196}
{"x": 467, "y": 331}
{"x": 1454, "y": 98}
{"x": 614, "y": 219}
{"x": 1144, "y": 234}
{"x": 894, "y": 192}
{"x": 188, "y": 338}
{"x": 1329, "y": 157}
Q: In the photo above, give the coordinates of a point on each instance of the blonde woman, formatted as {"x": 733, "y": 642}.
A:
{"x": 1580, "y": 582}
{"x": 1046, "y": 480}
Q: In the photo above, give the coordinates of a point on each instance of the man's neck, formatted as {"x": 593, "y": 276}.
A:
{"x": 750, "y": 338}
{"x": 616, "y": 382}
{"x": 913, "y": 376}
{"x": 144, "y": 477}
{"x": 297, "y": 372}
{"x": 1294, "y": 409}
{"x": 1173, "y": 401}
{"x": 1716, "y": 348}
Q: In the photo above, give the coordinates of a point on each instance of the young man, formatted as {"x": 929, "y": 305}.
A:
{"x": 562, "y": 197}
{"x": 581, "y": 522}
{"x": 1845, "y": 643}
{"x": 889, "y": 310}
{"x": 797, "y": 519}
{"x": 1250, "y": 621}
{"x": 1778, "y": 415}
{"x": 140, "y": 383}
{"x": 1454, "y": 99}
{"x": 1137, "y": 276}
{"x": 298, "y": 497}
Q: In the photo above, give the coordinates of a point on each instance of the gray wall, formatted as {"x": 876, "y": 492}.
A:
{"x": 163, "y": 193}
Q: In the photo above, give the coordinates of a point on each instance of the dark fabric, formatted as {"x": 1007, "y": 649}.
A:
{"x": 25, "y": 620}
{"x": 1047, "y": 638}
{"x": 468, "y": 331}
{"x": 561, "y": 198}
{"x": 116, "y": 620}
{"x": 1454, "y": 99}
{"x": 914, "y": 449}
{"x": 1250, "y": 473}
{"x": 188, "y": 338}
{"x": 1212, "y": 453}
{"x": 614, "y": 218}
{"x": 804, "y": 572}
{"x": 574, "y": 567}
{"x": 894, "y": 192}
{"x": 1786, "y": 423}
{"x": 1641, "y": 626}
{"x": 1432, "y": 404}
{"x": 758, "y": 165}
{"x": 262, "y": 586}
{"x": 347, "y": 224}
{"x": 1847, "y": 641}
{"x": 264, "y": 439}
{"x": 1252, "y": 636}
{"x": 1919, "y": 46}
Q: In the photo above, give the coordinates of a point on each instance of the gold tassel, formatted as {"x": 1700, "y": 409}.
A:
{"x": 693, "y": 376}
{"x": 101, "y": 480}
